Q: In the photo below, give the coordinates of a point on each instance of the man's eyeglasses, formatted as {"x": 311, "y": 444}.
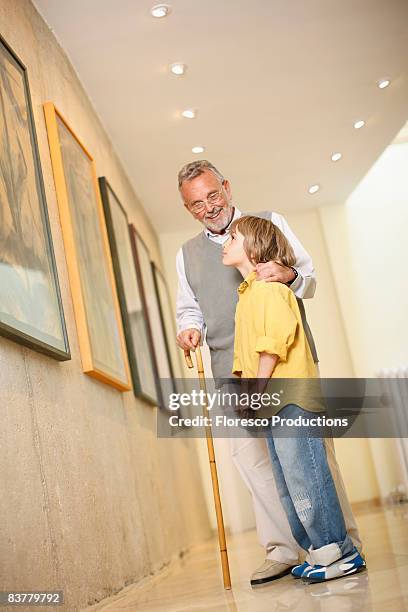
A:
{"x": 213, "y": 198}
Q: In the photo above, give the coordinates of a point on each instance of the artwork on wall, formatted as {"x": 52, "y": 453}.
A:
{"x": 31, "y": 311}
{"x": 96, "y": 306}
{"x": 149, "y": 295}
{"x": 134, "y": 317}
{"x": 168, "y": 327}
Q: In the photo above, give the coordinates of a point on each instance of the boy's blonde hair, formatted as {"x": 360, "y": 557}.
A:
{"x": 264, "y": 241}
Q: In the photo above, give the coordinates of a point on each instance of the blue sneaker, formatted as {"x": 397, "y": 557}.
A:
{"x": 298, "y": 570}
{"x": 349, "y": 564}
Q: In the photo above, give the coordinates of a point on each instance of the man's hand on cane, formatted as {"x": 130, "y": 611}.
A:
{"x": 188, "y": 339}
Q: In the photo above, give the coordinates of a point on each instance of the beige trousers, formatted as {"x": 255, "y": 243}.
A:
{"x": 251, "y": 457}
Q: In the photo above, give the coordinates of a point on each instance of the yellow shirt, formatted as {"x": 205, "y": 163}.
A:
{"x": 267, "y": 319}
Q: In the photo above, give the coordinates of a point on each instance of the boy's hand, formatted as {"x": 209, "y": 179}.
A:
{"x": 266, "y": 366}
{"x": 271, "y": 271}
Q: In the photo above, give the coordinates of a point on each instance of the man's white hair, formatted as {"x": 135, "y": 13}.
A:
{"x": 193, "y": 169}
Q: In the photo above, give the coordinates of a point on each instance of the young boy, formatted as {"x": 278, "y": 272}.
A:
{"x": 270, "y": 340}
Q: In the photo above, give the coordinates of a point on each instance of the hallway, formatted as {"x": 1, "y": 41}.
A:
{"x": 132, "y": 136}
{"x": 194, "y": 582}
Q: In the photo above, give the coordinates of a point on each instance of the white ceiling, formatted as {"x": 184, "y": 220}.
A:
{"x": 277, "y": 83}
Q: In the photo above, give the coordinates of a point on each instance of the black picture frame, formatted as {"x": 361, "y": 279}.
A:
{"x": 137, "y": 332}
{"x": 143, "y": 264}
{"x": 31, "y": 309}
{"x": 169, "y": 328}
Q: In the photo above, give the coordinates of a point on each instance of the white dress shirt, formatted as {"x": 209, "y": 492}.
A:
{"x": 189, "y": 315}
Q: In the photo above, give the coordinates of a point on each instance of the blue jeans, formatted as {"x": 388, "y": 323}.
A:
{"x": 308, "y": 493}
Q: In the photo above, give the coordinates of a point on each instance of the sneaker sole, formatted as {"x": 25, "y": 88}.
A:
{"x": 308, "y": 580}
{"x": 262, "y": 581}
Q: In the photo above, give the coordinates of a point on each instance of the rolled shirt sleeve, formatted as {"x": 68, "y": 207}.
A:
{"x": 275, "y": 322}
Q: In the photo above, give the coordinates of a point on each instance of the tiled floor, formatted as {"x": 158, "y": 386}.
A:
{"x": 195, "y": 582}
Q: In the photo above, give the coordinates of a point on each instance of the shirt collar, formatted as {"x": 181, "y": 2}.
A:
{"x": 237, "y": 214}
{"x": 247, "y": 282}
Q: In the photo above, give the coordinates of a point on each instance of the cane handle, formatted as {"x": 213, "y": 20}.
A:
{"x": 189, "y": 361}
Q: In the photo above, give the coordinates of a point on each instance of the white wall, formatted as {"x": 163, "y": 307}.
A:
{"x": 367, "y": 244}
{"x": 366, "y": 240}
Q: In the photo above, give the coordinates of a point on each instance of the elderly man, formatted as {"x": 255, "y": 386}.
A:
{"x": 206, "y": 300}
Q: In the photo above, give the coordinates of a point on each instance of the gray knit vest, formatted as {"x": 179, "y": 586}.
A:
{"x": 215, "y": 288}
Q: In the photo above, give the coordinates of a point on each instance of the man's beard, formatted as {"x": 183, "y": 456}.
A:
{"x": 221, "y": 221}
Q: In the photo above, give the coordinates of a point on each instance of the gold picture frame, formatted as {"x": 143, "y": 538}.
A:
{"x": 96, "y": 306}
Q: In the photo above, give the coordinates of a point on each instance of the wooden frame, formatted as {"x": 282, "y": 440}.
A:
{"x": 132, "y": 306}
{"x": 96, "y": 306}
{"x": 31, "y": 310}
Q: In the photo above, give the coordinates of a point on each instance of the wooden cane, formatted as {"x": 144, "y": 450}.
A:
{"x": 213, "y": 469}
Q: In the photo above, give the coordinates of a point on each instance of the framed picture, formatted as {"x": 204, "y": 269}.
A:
{"x": 96, "y": 306}
{"x": 149, "y": 295}
{"x": 134, "y": 316}
{"x": 168, "y": 326}
{"x": 31, "y": 311}
{"x": 174, "y": 352}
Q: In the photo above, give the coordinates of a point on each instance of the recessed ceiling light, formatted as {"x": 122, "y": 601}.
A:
{"x": 198, "y": 149}
{"x": 336, "y": 156}
{"x": 160, "y": 10}
{"x": 189, "y": 113}
{"x": 178, "y": 68}
{"x": 383, "y": 83}
{"x": 314, "y": 188}
{"x": 359, "y": 124}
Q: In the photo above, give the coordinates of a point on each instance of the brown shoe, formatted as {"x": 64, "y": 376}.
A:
{"x": 269, "y": 570}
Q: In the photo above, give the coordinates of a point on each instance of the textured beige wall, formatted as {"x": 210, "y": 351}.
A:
{"x": 90, "y": 499}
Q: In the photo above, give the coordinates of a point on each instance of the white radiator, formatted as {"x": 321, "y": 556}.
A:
{"x": 398, "y": 394}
